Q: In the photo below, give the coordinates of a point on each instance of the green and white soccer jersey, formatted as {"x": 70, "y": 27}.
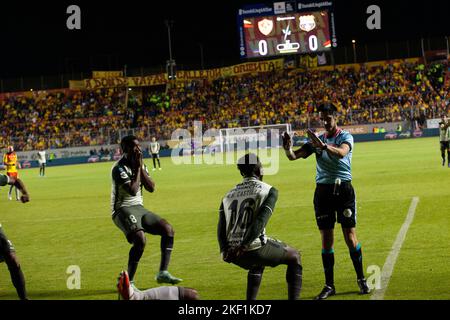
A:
{"x": 444, "y": 132}
{"x": 240, "y": 206}
{"x": 121, "y": 175}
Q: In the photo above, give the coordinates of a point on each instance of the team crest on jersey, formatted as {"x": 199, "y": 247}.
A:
{"x": 307, "y": 23}
{"x": 265, "y": 26}
{"x": 123, "y": 173}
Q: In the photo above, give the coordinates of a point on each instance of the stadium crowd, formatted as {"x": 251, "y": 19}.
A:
{"x": 394, "y": 92}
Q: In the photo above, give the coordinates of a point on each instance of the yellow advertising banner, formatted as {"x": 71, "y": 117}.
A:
{"x": 76, "y": 84}
{"x": 308, "y": 61}
{"x": 255, "y": 67}
{"x": 232, "y": 71}
{"x": 210, "y": 74}
{"x": 160, "y": 79}
{"x": 371, "y": 64}
{"x": 107, "y": 74}
{"x": 153, "y": 80}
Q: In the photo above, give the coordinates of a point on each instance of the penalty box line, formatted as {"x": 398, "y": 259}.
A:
{"x": 388, "y": 267}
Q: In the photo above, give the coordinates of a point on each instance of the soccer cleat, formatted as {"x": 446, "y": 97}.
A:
{"x": 154, "y": 169}
{"x": 363, "y": 287}
{"x": 161, "y": 168}
{"x": 166, "y": 277}
{"x": 124, "y": 287}
{"x": 9, "y": 197}
{"x": 326, "y": 292}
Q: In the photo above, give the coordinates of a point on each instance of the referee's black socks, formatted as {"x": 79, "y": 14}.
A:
{"x": 356, "y": 255}
{"x": 328, "y": 266}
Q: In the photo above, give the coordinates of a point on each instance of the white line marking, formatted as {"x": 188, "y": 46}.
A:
{"x": 388, "y": 267}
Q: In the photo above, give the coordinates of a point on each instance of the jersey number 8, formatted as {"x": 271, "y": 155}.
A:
{"x": 132, "y": 219}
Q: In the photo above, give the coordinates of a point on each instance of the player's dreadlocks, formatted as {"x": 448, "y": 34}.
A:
{"x": 126, "y": 142}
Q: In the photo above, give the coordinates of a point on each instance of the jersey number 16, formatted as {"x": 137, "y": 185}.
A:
{"x": 242, "y": 218}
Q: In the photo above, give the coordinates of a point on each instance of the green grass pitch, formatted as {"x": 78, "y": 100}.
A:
{"x": 68, "y": 223}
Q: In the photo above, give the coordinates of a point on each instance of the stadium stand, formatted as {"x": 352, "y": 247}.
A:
{"x": 398, "y": 91}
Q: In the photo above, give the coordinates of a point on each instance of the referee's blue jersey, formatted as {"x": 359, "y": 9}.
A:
{"x": 329, "y": 167}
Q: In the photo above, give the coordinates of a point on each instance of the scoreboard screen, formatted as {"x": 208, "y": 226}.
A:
{"x": 286, "y": 28}
{"x": 295, "y": 33}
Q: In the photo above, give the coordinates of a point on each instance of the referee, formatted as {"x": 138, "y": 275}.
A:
{"x": 334, "y": 197}
{"x": 154, "y": 149}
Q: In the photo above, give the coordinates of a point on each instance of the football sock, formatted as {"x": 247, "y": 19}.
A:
{"x": 159, "y": 164}
{"x": 328, "y": 265}
{"x": 133, "y": 260}
{"x": 18, "y": 280}
{"x": 294, "y": 280}
{"x": 356, "y": 255}
{"x": 448, "y": 156}
{"x": 254, "y": 278}
{"x": 166, "y": 251}
{"x": 10, "y": 190}
{"x": 154, "y": 163}
{"x": 144, "y": 295}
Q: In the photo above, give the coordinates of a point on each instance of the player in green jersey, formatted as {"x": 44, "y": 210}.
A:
{"x": 7, "y": 250}
{"x": 244, "y": 213}
{"x": 129, "y": 176}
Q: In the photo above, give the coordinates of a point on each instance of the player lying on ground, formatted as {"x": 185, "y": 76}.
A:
{"x": 244, "y": 213}
{"x": 334, "y": 197}
{"x": 128, "y": 292}
{"x": 129, "y": 175}
{"x": 7, "y": 251}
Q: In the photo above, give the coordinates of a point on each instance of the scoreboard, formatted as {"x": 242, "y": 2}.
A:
{"x": 286, "y": 28}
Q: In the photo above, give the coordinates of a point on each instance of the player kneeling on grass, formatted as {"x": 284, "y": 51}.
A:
{"x": 7, "y": 251}
{"x": 129, "y": 175}
{"x": 129, "y": 292}
{"x": 244, "y": 213}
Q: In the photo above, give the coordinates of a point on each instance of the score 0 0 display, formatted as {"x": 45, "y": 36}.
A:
{"x": 286, "y": 34}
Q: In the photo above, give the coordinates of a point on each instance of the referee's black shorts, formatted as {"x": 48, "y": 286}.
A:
{"x": 445, "y": 145}
{"x": 330, "y": 207}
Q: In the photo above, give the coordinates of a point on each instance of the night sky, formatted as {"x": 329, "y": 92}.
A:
{"x": 35, "y": 40}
